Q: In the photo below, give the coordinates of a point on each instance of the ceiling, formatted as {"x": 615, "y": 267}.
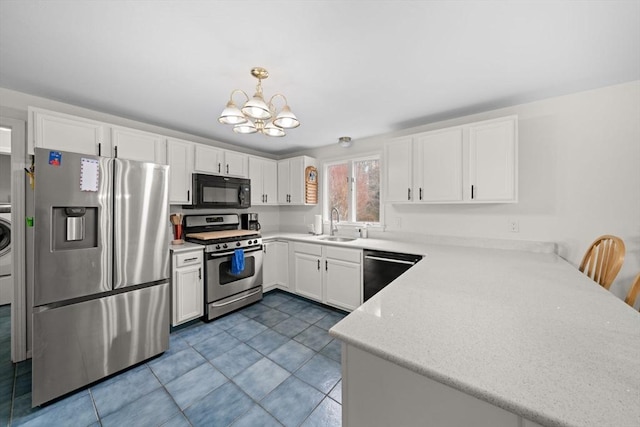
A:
{"x": 355, "y": 68}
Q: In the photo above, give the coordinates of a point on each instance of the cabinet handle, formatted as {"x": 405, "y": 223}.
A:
{"x": 115, "y": 149}
{"x": 472, "y": 192}
{"x": 420, "y": 193}
{"x": 200, "y": 273}
{"x": 408, "y": 194}
{"x": 326, "y": 265}
{"x": 227, "y": 169}
{"x": 318, "y": 264}
{"x": 99, "y": 148}
{"x": 188, "y": 195}
{"x": 190, "y": 259}
{"x": 266, "y": 198}
{"x": 218, "y": 167}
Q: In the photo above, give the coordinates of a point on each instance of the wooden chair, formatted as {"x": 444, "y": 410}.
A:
{"x": 633, "y": 292}
{"x": 603, "y": 260}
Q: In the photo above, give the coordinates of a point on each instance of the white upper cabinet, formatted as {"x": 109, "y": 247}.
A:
{"x": 133, "y": 144}
{"x": 64, "y": 132}
{"x": 438, "y": 174}
{"x": 180, "y": 161}
{"x": 291, "y": 180}
{"x": 236, "y": 164}
{"x": 474, "y": 163}
{"x": 284, "y": 182}
{"x": 220, "y": 162}
{"x": 263, "y": 174}
{"x": 208, "y": 159}
{"x": 398, "y": 167}
{"x": 492, "y": 161}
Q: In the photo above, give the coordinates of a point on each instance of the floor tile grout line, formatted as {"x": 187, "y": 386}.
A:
{"x": 95, "y": 408}
{"x": 13, "y": 393}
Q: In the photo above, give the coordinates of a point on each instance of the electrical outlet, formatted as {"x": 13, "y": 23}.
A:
{"x": 514, "y": 227}
{"x": 399, "y": 221}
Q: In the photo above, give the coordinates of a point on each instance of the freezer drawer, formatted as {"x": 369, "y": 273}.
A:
{"x": 77, "y": 344}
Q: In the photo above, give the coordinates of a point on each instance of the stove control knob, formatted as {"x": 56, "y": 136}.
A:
{"x": 237, "y": 243}
{"x": 217, "y": 246}
{"x": 224, "y": 246}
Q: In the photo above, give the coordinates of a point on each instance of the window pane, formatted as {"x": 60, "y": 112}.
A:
{"x": 338, "y": 189}
{"x": 367, "y": 174}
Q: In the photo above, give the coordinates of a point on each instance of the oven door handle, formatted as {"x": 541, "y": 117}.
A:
{"x": 224, "y": 254}
{"x": 214, "y": 304}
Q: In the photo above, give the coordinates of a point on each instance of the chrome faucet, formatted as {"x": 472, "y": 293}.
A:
{"x": 334, "y": 228}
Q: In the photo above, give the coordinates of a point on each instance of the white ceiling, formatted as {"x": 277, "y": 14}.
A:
{"x": 356, "y": 68}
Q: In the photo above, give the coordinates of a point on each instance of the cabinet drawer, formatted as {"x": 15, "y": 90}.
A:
{"x": 188, "y": 258}
{"x": 350, "y": 255}
{"x": 307, "y": 248}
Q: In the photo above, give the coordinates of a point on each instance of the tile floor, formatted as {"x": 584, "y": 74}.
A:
{"x": 270, "y": 364}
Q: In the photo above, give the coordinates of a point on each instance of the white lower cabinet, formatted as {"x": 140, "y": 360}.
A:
{"x": 308, "y": 271}
{"x": 328, "y": 274}
{"x": 343, "y": 277}
{"x": 275, "y": 265}
{"x": 187, "y": 290}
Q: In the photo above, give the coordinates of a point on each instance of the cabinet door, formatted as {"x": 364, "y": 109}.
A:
{"x": 398, "y": 170}
{"x": 343, "y": 284}
{"x": 180, "y": 161}
{"x": 236, "y": 164}
{"x": 270, "y": 181}
{"x": 269, "y": 265}
{"x": 283, "y": 182}
{"x": 257, "y": 181}
{"x": 492, "y": 161}
{"x": 135, "y": 145}
{"x": 296, "y": 181}
{"x": 282, "y": 257}
{"x": 188, "y": 294}
{"x": 438, "y": 169}
{"x": 308, "y": 276}
{"x": 208, "y": 159}
{"x": 68, "y": 133}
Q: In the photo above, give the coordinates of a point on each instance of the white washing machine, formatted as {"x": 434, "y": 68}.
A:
{"x": 6, "y": 284}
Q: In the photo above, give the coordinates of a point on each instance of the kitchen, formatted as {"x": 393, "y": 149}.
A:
{"x": 577, "y": 148}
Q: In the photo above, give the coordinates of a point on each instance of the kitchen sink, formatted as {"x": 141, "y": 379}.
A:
{"x": 337, "y": 239}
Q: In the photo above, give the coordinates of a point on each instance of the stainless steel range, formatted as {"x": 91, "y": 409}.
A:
{"x": 227, "y": 290}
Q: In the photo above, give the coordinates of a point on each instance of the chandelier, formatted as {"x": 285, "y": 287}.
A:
{"x": 256, "y": 115}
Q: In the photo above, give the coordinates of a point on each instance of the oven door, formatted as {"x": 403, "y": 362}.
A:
{"x": 222, "y": 284}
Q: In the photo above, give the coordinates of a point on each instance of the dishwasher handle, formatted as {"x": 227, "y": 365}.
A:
{"x": 397, "y": 261}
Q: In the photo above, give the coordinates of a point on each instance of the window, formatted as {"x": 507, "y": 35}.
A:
{"x": 353, "y": 187}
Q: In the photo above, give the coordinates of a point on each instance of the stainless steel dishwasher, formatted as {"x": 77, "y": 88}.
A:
{"x": 382, "y": 268}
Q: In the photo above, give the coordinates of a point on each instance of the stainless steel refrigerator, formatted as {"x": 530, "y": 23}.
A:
{"x": 101, "y": 292}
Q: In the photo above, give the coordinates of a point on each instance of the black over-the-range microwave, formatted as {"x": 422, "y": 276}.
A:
{"x": 212, "y": 191}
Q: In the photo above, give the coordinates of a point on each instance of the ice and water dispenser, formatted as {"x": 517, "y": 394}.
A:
{"x": 75, "y": 227}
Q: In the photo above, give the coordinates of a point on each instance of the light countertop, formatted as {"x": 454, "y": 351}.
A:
{"x": 524, "y": 331}
{"x": 186, "y": 246}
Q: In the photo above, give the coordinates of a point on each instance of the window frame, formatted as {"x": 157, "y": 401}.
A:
{"x": 352, "y": 194}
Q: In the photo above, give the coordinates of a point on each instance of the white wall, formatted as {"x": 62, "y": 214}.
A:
{"x": 579, "y": 177}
